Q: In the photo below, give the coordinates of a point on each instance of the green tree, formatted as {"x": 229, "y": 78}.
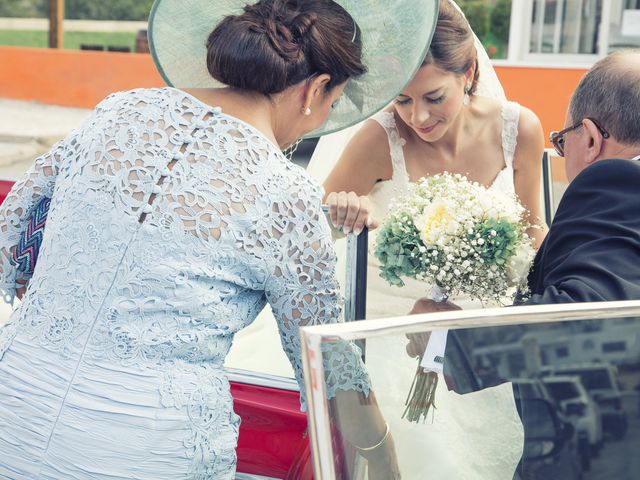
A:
{"x": 500, "y": 20}
{"x": 23, "y": 8}
{"x": 477, "y": 12}
{"x": 108, "y": 10}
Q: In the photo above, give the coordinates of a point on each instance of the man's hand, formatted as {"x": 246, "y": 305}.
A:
{"x": 418, "y": 341}
{"x": 426, "y": 305}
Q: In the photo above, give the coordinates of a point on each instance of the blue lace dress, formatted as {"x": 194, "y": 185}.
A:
{"x": 170, "y": 227}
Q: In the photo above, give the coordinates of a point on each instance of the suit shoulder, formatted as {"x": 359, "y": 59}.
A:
{"x": 612, "y": 166}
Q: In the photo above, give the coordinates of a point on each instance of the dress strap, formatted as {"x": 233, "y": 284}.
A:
{"x": 510, "y": 118}
{"x": 396, "y": 142}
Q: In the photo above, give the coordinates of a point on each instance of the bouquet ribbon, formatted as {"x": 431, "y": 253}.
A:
{"x": 433, "y": 357}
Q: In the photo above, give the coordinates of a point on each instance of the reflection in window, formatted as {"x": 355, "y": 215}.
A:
{"x": 614, "y": 347}
{"x": 563, "y": 390}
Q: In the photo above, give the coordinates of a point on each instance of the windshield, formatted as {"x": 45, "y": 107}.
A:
{"x": 592, "y": 379}
{"x": 563, "y": 390}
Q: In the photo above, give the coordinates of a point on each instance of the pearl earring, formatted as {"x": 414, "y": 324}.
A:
{"x": 307, "y": 111}
{"x": 466, "y": 100}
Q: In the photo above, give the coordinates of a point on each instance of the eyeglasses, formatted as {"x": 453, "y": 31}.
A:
{"x": 557, "y": 138}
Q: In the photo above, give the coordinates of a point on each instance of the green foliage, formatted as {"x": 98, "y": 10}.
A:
{"x": 23, "y": 8}
{"x": 108, "y": 10}
{"x": 501, "y": 241}
{"x": 477, "y": 12}
{"x": 80, "y": 9}
{"x": 500, "y": 20}
{"x": 397, "y": 249}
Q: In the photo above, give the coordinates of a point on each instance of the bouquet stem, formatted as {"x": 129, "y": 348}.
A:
{"x": 422, "y": 396}
{"x": 422, "y": 393}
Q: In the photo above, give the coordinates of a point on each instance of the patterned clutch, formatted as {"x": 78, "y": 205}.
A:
{"x": 25, "y": 254}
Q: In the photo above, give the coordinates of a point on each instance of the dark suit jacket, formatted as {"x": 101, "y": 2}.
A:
{"x": 592, "y": 250}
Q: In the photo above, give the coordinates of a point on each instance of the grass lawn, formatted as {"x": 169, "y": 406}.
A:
{"x": 72, "y": 40}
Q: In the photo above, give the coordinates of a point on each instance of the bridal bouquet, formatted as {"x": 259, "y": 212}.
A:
{"x": 459, "y": 237}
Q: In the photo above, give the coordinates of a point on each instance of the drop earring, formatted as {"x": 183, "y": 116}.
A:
{"x": 466, "y": 100}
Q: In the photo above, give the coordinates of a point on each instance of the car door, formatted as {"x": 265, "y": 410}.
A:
{"x": 478, "y": 429}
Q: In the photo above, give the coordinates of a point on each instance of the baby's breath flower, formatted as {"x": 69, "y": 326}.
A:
{"x": 457, "y": 234}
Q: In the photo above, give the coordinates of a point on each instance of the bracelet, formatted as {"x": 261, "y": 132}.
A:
{"x": 384, "y": 438}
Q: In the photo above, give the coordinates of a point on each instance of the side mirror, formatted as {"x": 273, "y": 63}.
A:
{"x": 544, "y": 433}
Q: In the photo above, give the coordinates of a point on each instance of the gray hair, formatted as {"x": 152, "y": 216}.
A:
{"x": 610, "y": 93}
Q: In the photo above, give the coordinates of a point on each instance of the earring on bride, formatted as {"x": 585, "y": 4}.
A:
{"x": 466, "y": 100}
{"x": 307, "y": 111}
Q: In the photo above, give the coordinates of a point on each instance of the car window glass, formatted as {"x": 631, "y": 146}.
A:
{"x": 563, "y": 390}
{"x": 490, "y": 416}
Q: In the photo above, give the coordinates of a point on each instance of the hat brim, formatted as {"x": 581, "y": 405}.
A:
{"x": 396, "y": 35}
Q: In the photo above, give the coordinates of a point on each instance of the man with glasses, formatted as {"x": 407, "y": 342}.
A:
{"x": 592, "y": 250}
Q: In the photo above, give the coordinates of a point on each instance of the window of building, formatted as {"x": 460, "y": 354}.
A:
{"x": 609, "y": 347}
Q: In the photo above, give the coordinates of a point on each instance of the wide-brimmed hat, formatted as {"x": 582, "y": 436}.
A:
{"x": 395, "y": 39}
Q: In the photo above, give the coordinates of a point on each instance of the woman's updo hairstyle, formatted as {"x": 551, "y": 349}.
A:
{"x": 453, "y": 45}
{"x": 275, "y": 44}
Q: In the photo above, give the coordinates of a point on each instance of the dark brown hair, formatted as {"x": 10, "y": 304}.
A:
{"x": 609, "y": 93}
{"x": 453, "y": 45}
{"x": 275, "y": 44}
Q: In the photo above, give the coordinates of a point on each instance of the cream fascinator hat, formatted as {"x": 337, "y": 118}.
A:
{"x": 395, "y": 38}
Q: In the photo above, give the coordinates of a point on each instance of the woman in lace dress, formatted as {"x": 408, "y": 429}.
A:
{"x": 436, "y": 124}
{"x": 174, "y": 219}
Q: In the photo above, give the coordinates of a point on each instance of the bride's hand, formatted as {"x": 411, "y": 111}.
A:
{"x": 350, "y": 212}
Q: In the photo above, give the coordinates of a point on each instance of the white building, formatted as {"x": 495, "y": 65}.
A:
{"x": 571, "y": 32}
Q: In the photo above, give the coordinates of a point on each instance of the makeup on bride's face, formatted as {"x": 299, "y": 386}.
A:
{"x": 429, "y": 103}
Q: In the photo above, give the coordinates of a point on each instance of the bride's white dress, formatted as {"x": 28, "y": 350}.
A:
{"x": 384, "y": 300}
{"x": 477, "y": 435}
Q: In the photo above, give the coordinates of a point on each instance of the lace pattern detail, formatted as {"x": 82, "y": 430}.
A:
{"x": 396, "y": 143}
{"x": 171, "y": 225}
{"x": 205, "y": 396}
{"x": 343, "y": 360}
{"x": 38, "y": 182}
{"x": 510, "y": 118}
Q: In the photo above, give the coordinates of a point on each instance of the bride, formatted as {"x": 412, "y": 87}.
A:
{"x": 451, "y": 117}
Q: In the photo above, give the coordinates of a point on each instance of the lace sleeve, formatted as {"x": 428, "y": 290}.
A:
{"x": 38, "y": 182}
{"x": 303, "y": 290}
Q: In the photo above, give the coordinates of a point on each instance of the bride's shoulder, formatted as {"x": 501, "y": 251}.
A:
{"x": 530, "y": 142}
{"x": 370, "y": 146}
{"x": 373, "y": 136}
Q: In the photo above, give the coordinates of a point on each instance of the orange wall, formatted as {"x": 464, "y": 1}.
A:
{"x": 83, "y": 78}
{"x": 72, "y": 78}
{"x": 546, "y": 91}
